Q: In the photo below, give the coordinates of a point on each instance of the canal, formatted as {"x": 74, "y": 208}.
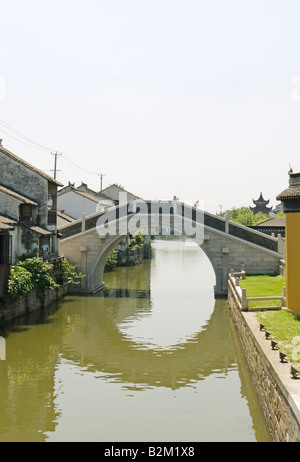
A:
{"x": 154, "y": 358}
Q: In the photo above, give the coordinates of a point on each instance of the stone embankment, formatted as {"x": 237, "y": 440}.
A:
{"x": 278, "y": 391}
{"x": 11, "y": 309}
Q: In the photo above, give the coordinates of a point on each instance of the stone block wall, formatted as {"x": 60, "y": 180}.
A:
{"x": 26, "y": 182}
{"x": 11, "y": 309}
{"x": 277, "y": 401}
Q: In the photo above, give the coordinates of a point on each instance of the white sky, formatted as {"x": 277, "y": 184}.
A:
{"x": 193, "y": 98}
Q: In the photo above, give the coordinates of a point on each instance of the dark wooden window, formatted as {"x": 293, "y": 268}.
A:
{"x": 5, "y": 249}
{"x": 25, "y": 212}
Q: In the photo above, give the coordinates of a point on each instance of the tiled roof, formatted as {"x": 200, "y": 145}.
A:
{"x": 86, "y": 195}
{"x": 261, "y": 200}
{"x": 289, "y": 194}
{"x": 119, "y": 188}
{"x": 66, "y": 217}
{"x": 21, "y": 198}
{"x": 275, "y": 221}
{"x": 82, "y": 193}
{"x": 39, "y": 230}
{"x": 7, "y": 223}
{"x": 26, "y": 164}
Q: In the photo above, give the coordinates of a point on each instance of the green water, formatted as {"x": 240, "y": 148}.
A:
{"x": 152, "y": 358}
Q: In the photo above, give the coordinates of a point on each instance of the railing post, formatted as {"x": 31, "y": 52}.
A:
{"x": 226, "y": 223}
{"x": 83, "y": 223}
{"x": 243, "y": 271}
{"x": 283, "y": 297}
{"x": 2, "y": 349}
{"x": 244, "y": 300}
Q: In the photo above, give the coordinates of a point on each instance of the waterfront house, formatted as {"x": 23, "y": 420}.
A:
{"x": 28, "y": 212}
{"x": 116, "y": 193}
{"x": 76, "y": 201}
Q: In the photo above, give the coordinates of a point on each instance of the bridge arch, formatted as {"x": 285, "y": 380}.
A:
{"x": 226, "y": 244}
{"x": 96, "y": 269}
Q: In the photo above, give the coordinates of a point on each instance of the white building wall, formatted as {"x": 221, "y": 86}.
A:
{"x": 75, "y": 205}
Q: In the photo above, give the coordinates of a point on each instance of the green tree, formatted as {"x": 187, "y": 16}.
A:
{"x": 245, "y": 216}
{"x": 112, "y": 261}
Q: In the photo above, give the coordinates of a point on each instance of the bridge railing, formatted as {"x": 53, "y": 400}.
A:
{"x": 238, "y": 295}
{"x": 162, "y": 208}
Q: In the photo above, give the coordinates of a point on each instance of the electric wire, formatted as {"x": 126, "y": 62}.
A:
{"x": 72, "y": 164}
{"x": 20, "y": 141}
{"x": 26, "y": 138}
{"x": 33, "y": 144}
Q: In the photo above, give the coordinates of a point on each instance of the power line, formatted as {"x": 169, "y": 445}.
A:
{"x": 71, "y": 163}
{"x": 62, "y": 177}
{"x": 33, "y": 144}
{"x": 11, "y": 136}
{"x": 26, "y": 138}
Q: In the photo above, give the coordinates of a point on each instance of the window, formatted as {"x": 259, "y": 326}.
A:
{"x": 5, "y": 249}
{"x": 25, "y": 212}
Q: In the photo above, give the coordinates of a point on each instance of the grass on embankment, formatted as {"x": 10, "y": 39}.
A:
{"x": 283, "y": 325}
{"x": 263, "y": 286}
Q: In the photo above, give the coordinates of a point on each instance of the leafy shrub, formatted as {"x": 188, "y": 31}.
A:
{"x": 36, "y": 273}
{"x": 20, "y": 282}
{"x": 136, "y": 241}
{"x": 42, "y": 273}
{"x": 32, "y": 254}
{"x": 67, "y": 273}
{"x": 112, "y": 261}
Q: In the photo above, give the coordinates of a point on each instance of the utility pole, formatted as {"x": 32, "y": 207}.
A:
{"x": 55, "y": 163}
{"x": 101, "y": 175}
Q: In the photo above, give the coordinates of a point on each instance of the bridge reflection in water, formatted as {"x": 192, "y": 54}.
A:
{"x": 93, "y": 369}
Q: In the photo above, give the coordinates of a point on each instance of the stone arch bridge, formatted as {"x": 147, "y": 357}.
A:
{"x": 88, "y": 242}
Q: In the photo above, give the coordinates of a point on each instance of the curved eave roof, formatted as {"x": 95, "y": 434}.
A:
{"x": 17, "y": 196}
{"x": 6, "y": 223}
{"x": 289, "y": 194}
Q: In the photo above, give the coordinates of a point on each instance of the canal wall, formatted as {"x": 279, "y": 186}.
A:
{"x": 11, "y": 309}
{"x": 278, "y": 392}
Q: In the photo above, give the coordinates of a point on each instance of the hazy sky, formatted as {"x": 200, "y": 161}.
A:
{"x": 194, "y": 98}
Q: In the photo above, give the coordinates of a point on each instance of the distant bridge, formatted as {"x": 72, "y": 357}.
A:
{"x": 88, "y": 242}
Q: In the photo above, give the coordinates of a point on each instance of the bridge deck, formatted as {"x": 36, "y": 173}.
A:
{"x": 210, "y": 221}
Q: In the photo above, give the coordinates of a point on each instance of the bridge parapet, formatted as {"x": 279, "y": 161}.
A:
{"x": 168, "y": 208}
{"x": 227, "y": 244}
